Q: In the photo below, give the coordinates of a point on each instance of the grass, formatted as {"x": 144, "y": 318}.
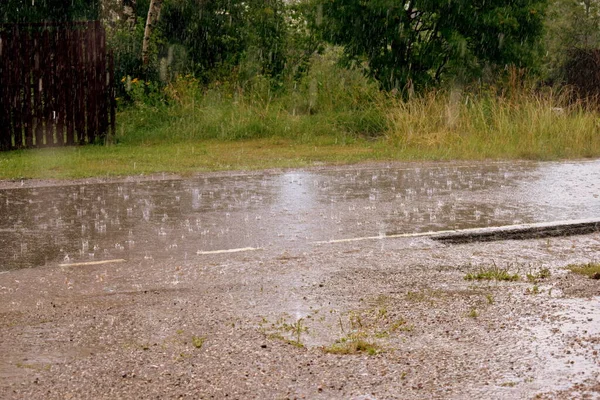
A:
{"x": 493, "y": 273}
{"x": 542, "y": 274}
{"x": 331, "y": 116}
{"x": 473, "y": 313}
{"x": 533, "y": 290}
{"x": 347, "y": 346}
{"x": 591, "y": 270}
{"x": 280, "y": 329}
{"x": 278, "y": 336}
{"x": 198, "y": 342}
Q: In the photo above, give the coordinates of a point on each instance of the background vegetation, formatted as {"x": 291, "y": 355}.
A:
{"x": 261, "y": 83}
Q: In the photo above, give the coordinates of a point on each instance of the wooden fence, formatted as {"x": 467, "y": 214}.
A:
{"x": 56, "y": 85}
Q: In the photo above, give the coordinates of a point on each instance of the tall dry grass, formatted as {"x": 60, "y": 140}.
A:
{"x": 525, "y": 124}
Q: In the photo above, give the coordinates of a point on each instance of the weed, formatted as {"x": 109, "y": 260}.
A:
{"x": 182, "y": 356}
{"x": 542, "y": 274}
{"x": 281, "y": 326}
{"x": 490, "y": 298}
{"x": 492, "y": 273}
{"x": 473, "y": 313}
{"x": 533, "y": 290}
{"x": 355, "y": 320}
{"x": 279, "y": 336}
{"x": 353, "y": 345}
{"x": 198, "y": 342}
{"x": 591, "y": 270}
{"x": 401, "y": 325}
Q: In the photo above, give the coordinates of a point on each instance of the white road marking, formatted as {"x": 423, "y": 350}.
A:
{"x": 382, "y": 237}
{"x": 228, "y": 250}
{"x": 120, "y": 260}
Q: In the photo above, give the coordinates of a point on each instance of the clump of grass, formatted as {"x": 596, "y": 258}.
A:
{"x": 542, "y": 274}
{"x": 473, "y": 313}
{"x": 198, "y": 341}
{"x": 493, "y": 273}
{"x": 278, "y": 329}
{"x": 591, "y": 270}
{"x": 279, "y": 336}
{"x": 534, "y": 290}
{"x": 353, "y": 345}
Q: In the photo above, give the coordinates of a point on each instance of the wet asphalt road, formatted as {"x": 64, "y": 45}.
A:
{"x": 182, "y": 219}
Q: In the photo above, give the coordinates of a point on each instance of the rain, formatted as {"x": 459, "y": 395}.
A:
{"x": 312, "y": 199}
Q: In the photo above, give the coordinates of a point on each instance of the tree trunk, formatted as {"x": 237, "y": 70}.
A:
{"x": 153, "y": 13}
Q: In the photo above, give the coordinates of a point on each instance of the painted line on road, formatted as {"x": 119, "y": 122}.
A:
{"x": 240, "y": 250}
{"x": 504, "y": 232}
{"x": 80, "y": 264}
{"x": 382, "y": 237}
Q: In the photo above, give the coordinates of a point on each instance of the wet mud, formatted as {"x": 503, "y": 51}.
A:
{"x": 241, "y": 286}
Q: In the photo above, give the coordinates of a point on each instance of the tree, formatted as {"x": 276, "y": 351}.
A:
{"x": 219, "y": 35}
{"x": 153, "y": 15}
{"x": 417, "y": 43}
{"x": 572, "y": 26}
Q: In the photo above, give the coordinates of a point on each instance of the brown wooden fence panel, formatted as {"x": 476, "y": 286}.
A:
{"x": 4, "y": 121}
{"x": 56, "y": 85}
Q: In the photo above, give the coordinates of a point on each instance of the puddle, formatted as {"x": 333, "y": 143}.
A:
{"x": 567, "y": 349}
{"x": 182, "y": 219}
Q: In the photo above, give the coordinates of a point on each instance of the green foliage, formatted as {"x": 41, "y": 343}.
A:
{"x": 536, "y": 277}
{"x": 126, "y": 44}
{"x": 570, "y": 25}
{"x": 353, "y": 345}
{"x": 48, "y": 10}
{"x": 225, "y": 37}
{"x": 329, "y": 101}
{"x": 267, "y": 36}
{"x": 493, "y": 273}
{"x": 212, "y": 33}
{"x": 591, "y": 270}
{"x": 414, "y": 44}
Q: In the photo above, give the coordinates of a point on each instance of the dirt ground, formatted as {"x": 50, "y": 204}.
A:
{"x": 379, "y": 319}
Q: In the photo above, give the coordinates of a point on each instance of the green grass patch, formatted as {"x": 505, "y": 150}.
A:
{"x": 347, "y": 346}
{"x": 591, "y": 270}
{"x": 535, "y": 277}
{"x": 494, "y": 273}
{"x": 473, "y": 313}
{"x": 198, "y": 341}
